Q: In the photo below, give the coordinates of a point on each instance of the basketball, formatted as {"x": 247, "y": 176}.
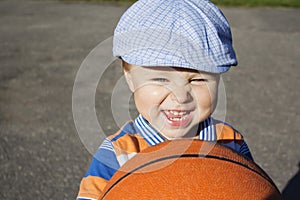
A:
{"x": 190, "y": 169}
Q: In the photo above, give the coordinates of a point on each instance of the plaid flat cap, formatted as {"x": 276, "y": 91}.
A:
{"x": 191, "y": 34}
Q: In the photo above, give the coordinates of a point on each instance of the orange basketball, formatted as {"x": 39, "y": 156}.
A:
{"x": 190, "y": 169}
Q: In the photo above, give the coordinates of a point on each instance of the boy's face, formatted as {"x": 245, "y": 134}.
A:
{"x": 173, "y": 100}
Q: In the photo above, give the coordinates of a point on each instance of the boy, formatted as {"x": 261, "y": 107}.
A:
{"x": 173, "y": 52}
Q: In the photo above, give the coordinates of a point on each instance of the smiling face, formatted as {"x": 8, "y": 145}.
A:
{"x": 173, "y": 100}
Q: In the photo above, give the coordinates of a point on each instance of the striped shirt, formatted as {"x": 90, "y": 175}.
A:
{"x": 138, "y": 135}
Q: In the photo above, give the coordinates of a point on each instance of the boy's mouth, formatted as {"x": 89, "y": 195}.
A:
{"x": 178, "y": 117}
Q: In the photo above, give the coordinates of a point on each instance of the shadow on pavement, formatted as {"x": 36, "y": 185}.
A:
{"x": 292, "y": 189}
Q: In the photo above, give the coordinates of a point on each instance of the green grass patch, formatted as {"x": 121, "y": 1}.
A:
{"x": 233, "y": 3}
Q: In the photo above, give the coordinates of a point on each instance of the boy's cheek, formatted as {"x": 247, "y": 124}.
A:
{"x": 150, "y": 93}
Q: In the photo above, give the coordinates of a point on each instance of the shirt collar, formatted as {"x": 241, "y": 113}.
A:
{"x": 148, "y": 132}
{"x": 207, "y": 131}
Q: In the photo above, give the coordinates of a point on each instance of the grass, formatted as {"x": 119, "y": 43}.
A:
{"x": 233, "y": 3}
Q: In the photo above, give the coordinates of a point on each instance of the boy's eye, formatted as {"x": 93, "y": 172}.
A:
{"x": 198, "y": 80}
{"x": 162, "y": 80}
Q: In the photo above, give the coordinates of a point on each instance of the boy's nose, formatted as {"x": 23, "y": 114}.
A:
{"x": 181, "y": 93}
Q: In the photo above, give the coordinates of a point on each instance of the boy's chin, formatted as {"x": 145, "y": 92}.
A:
{"x": 187, "y": 132}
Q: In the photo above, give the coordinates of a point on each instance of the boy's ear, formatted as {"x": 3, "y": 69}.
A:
{"x": 129, "y": 81}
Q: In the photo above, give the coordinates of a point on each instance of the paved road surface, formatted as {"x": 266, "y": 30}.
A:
{"x": 43, "y": 43}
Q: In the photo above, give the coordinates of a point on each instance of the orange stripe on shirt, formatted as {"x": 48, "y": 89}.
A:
{"x": 130, "y": 143}
{"x": 225, "y": 132}
{"x": 91, "y": 187}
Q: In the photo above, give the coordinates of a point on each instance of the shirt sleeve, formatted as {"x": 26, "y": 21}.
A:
{"x": 244, "y": 149}
{"x": 240, "y": 146}
{"x": 103, "y": 166}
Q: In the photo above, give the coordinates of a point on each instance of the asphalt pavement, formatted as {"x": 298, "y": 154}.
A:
{"x": 42, "y": 46}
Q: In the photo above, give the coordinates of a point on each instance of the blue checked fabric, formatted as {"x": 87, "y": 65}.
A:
{"x": 191, "y": 34}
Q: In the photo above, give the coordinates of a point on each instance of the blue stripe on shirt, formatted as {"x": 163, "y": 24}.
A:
{"x": 244, "y": 149}
{"x": 148, "y": 132}
{"x": 106, "y": 168}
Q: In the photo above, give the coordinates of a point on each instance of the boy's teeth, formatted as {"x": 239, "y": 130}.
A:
{"x": 175, "y": 112}
{"x": 178, "y": 113}
{"x": 178, "y": 118}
